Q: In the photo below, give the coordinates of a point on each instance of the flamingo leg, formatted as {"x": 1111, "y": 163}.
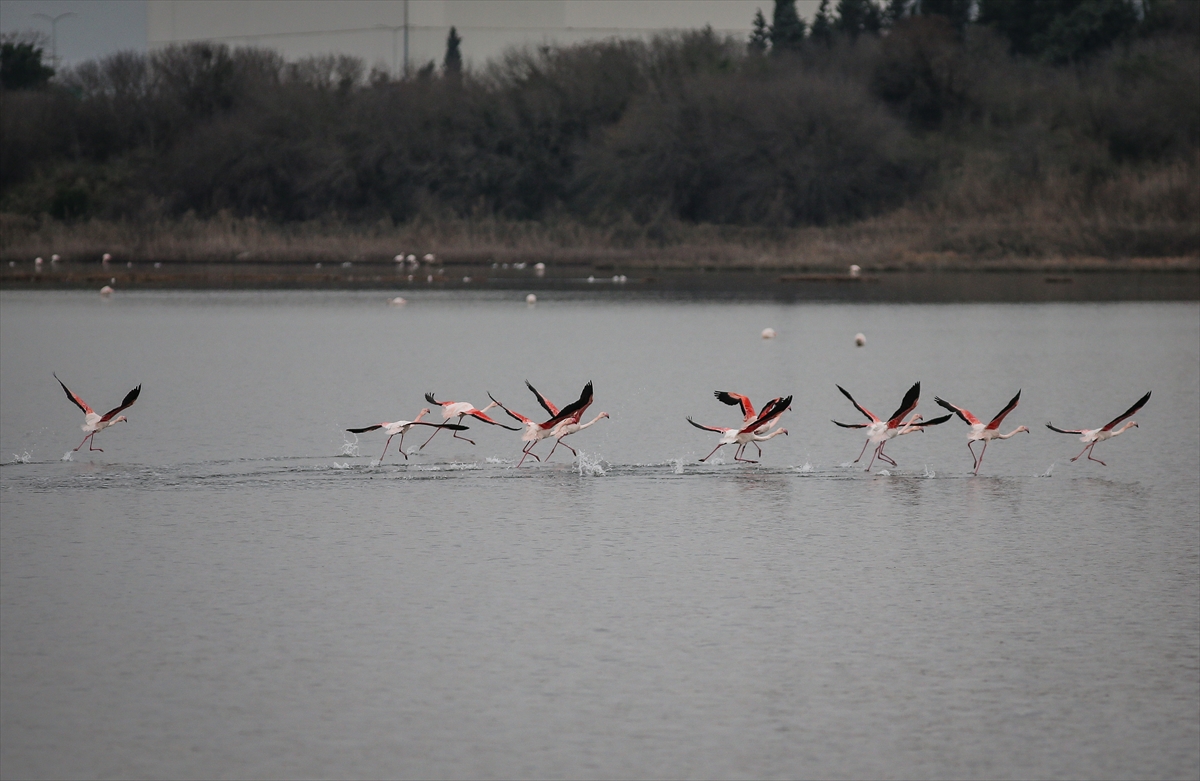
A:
{"x": 715, "y": 449}
{"x": 92, "y": 444}
{"x": 759, "y": 449}
{"x": 738, "y": 456}
{"x": 1098, "y": 461}
{"x": 1086, "y": 448}
{"x": 974, "y": 459}
{"x": 385, "y": 447}
{"x": 528, "y": 451}
{"x": 431, "y": 436}
{"x": 456, "y": 436}
{"x": 874, "y": 454}
{"x": 85, "y": 439}
{"x": 860, "y": 453}
{"x": 401, "y": 446}
{"x": 979, "y": 463}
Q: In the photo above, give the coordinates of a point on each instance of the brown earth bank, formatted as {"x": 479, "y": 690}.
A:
{"x": 898, "y": 242}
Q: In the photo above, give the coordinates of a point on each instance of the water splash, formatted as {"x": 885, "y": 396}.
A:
{"x": 495, "y": 460}
{"x": 23, "y": 458}
{"x": 1049, "y": 469}
{"x": 336, "y": 465}
{"x": 808, "y": 467}
{"x": 676, "y": 465}
{"x": 349, "y": 447}
{"x": 67, "y": 456}
{"x": 846, "y": 464}
{"x": 588, "y": 467}
{"x": 928, "y": 473}
{"x": 884, "y": 473}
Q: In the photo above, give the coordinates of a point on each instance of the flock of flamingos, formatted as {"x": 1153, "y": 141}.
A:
{"x": 754, "y": 428}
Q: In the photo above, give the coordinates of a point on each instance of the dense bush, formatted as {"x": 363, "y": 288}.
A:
{"x": 692, "y": 127}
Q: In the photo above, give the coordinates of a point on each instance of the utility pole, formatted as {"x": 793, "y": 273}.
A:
{"x": 395, "y": 31}
{"x": 54, "y": 20}
{"x": 406, "y": 39}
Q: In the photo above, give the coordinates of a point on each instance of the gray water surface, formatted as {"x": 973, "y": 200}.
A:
{"x": 236, "y": 589}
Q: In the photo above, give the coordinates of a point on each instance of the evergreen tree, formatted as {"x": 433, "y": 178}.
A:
{"x": 857, "y": 16}
{"x": 957, "y": 11}
{"x": 21, "y": 66}
{"x": 822, "y": 24}
{"x": 760, "y": 38}
{"x": 452, "y": 65}
{"x": 787, "y": 28}
{"x": 895, "y": 11}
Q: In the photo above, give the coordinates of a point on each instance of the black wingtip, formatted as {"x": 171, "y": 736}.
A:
{"x": 429, "y": 397}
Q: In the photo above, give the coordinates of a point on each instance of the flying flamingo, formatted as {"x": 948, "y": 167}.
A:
{"x": 535, "y": 432}
{"x": 462, "y": 409}
{"x": 401, "y": 427}
{"x": 744, "y": 436}
{"x": 1094, "y": 435}
{"x": 880, "y": 431}
{"x": 568, "y": 427}
{"x": 93, "y": 423}
{"x": 727, "y": 397}
{"x": 980, "y": 431}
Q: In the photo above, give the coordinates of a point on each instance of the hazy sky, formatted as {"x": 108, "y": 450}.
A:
{"x": 99, "y": 27}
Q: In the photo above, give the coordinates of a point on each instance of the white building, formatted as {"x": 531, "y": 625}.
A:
{"x": 382, "y": 31}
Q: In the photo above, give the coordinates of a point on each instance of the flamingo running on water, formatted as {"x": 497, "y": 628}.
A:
{"x": 748, "y": 415}
{"x": 568, "y": 427}
{"x": 880, "y": 431}
{"x": 1094, "y": 435}
{"x": 747, "y": 434}
{"x": 93, "y": 423}
{"x": 535, "y": 432}
{"x": 402, "y": 427}
{"x": 981, "y": 431}
{"x": 462, "y": 409}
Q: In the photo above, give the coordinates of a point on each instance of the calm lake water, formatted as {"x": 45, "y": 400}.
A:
{"x": 235, "y": 589}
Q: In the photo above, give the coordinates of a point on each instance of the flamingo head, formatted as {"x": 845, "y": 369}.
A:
{"x": 783, "y": 431}
{"x": 1025, "y": 429}
{"x": 602, "y": 415}
{"x": 119, "y": 419}
{"x": 421, "y": 414}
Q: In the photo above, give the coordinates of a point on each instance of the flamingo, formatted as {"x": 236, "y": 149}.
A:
{"x": 535, "y": 432}
{"x": 462, "y": 409}
{"x": 93, "y": 423}
{"x": 747, "y": 434}
{"x": 880, "y": 431}
{"x": 730, "y": 398}
{"x": 402, "y": 427}
{"x": 1094, "y": 435}
{"x": 568, "y": 427}
{"x": 985, "y": 432}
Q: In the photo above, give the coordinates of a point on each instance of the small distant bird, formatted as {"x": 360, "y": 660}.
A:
{"x": 769, "y": 333}
{"x": 747, "y": 434}
{"x": 38, "y": 261}
{"x": 106, "y": 291}
{"x": 855, "y": 270}
{"x": 1094, "y": 435}
{"x": 979, "y": 431}
{"x": 93, "y": 423}
{"x": 428, "y": 257}
{"x": 402, "y": 427}
{"x": 859, "y": 340}
{"x": 880, "y": 431}
{"x": 531, "y": 299}
{"x": 463, "y": 409}
{"x": 398, "y": 301}
{"x": 105, "y": 258}
{"x": 55, "y": 258}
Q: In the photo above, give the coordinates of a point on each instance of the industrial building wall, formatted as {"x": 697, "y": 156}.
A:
{"x": 374, "y": 29}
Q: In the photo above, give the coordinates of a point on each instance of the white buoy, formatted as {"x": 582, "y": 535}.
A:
{"x": 859, "y": 340}
{"x": 316, "y": 265}
{"x": 539, "y": 269}
{"x": 157, "y": 264}
{"x": 106, "y": 291}
{"x": 397, "y": 301}
{"x": 855, "y": 270}
{"x": 769, "y": 333}
{"x": 129, "y": 264}
{"x": 347, "y": 264}
{"x": 531, "y": 299}
{"x": 466, "y": 280}
{"x": 428, "y": 257}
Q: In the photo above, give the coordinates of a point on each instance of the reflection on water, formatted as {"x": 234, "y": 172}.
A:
{"x": 235, "y": 587}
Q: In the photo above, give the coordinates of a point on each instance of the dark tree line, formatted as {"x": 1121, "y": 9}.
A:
{"x": 860, "y": 110}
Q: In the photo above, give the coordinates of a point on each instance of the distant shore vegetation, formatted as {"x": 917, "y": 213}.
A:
{"x": 898, "y": 129}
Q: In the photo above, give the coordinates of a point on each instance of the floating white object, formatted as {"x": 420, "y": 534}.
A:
{"x": 411, "y": 258}
{"x": 769, "y": 333}
{"x": 855, "y": 270}
{"x": 12, "y": 263}
{"x": 347, "y": 264}
{"x": 38, "y": 261}
{"x": 105, "y": 258}
{"x": 531, "y": 299}
{"x": 429, "y": 278}
{"x": 55, "y": 258}
{"x": 466, "y": 280}
{"x": 428, "y": 257}
{"x": 157, "y": 265}
{"x": 539, "y": 269}
{"x": 399, "y": 258}
{"x": 129, "y": 264}
{"x": 316, "y": 265}
{"x": 519, "y": 266}
{"x": 397, "y": 301}
{"x": 860, "y": 340}
{"x": 106, "y": 291}
{"x": 591, "y": 279}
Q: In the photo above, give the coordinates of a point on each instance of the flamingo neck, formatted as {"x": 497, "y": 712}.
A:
{"x": 1122, "y": 428}
{"x": 1012, "y": 433}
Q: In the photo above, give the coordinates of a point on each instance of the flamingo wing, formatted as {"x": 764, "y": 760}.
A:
{"x": 1136, "y": 406}
{"x": 78, "y": 401}
{"x": 511, "y": 414}
{"x": 717, "y": 429}
{"x": 546, "y": 405}
{"x": 126, "y": 403}
{"x": 451, "y": 426}
{"x": 429, "y": 397}
{"x": 995, "y": 424}
{"x": 857, "y": 406}
{"x": 850, "y": 425}
{"x": 576, "y": 408}
{"x": 911, "y": 399}
{"x": 773, "y": 409}
{"x": 726, "y": 397}
{"x": 962, "y": 413}
{"x": 483, "y": 416}
{"x": 364, "y": 430}
{"x": 1053, "y": 427}
{"x": 933, "y": 422}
